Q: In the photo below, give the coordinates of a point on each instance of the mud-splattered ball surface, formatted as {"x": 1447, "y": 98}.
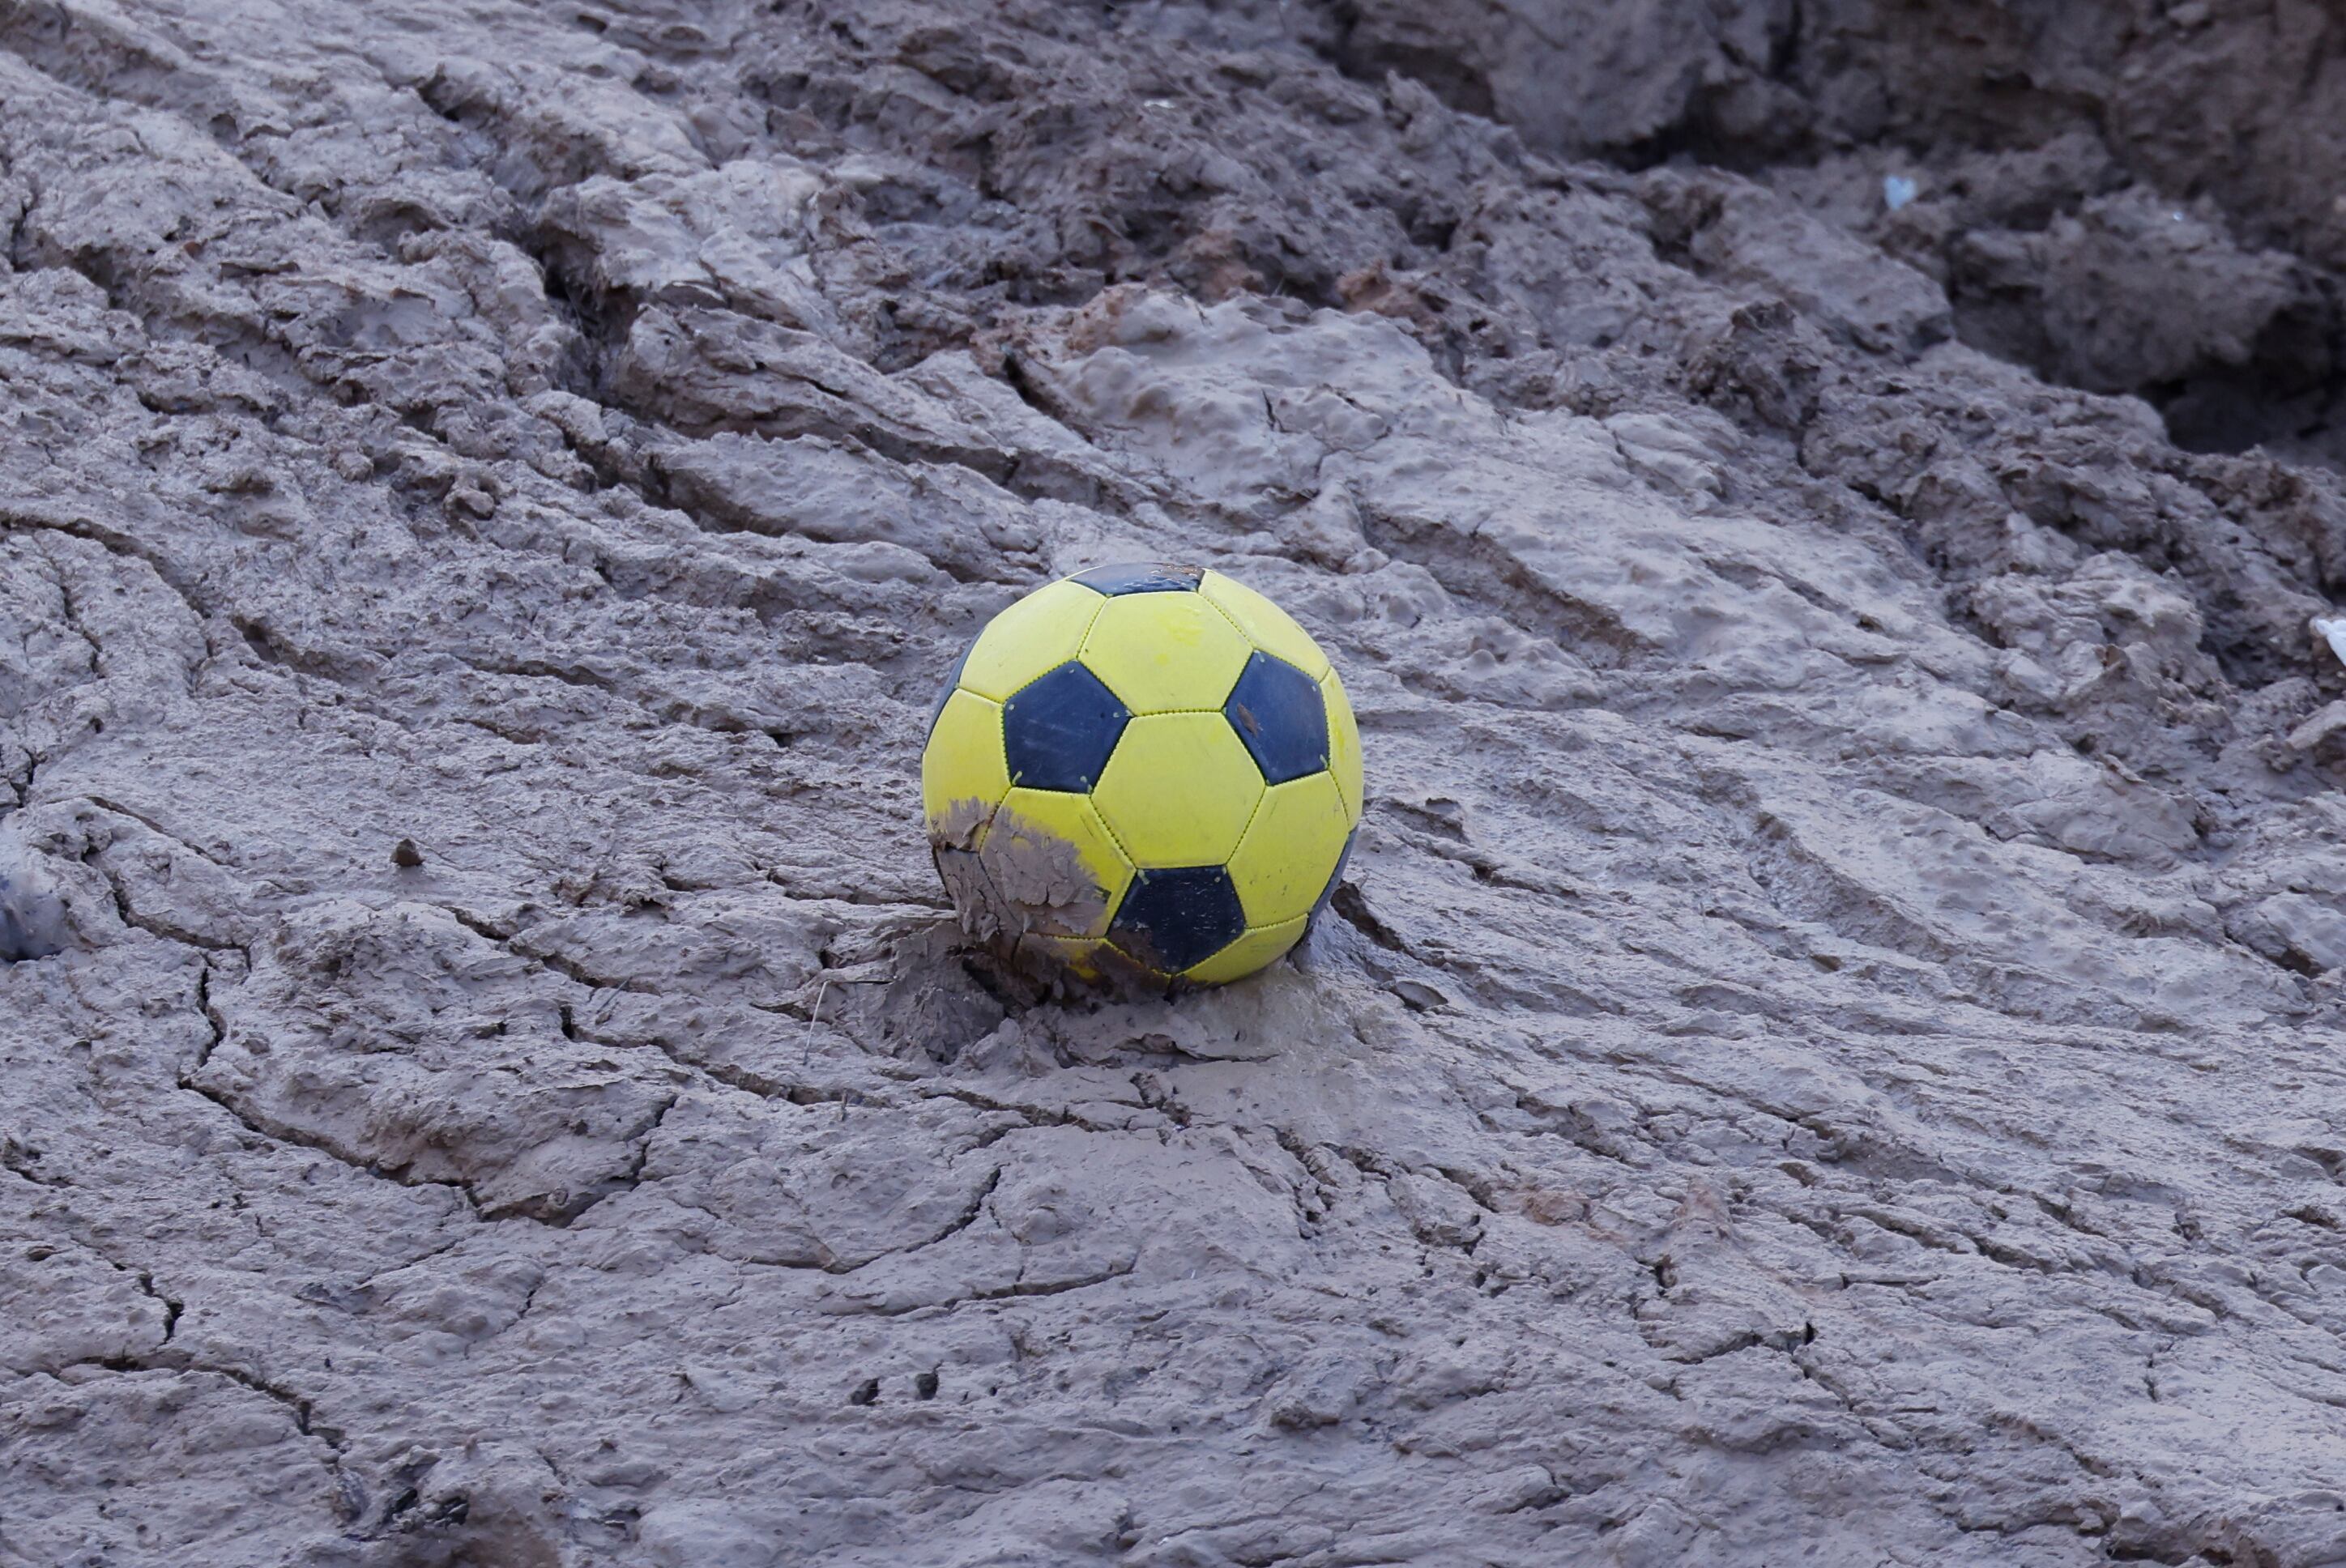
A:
{"x": 1144, "y": 770}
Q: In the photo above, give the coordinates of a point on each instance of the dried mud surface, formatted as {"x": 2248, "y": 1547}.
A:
{"x": 1830, "y": 1047}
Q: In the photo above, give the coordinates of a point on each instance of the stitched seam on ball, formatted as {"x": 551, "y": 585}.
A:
{"x": 1107, "y": 937}
{"x": 1251, "y": 638}
{"x": 1249, "y": 925}
{"x": 1077, "y": 658}
{"x": 1001, "y": 745}
{"x": 1245, "y": 636}
{"x": 1360, "y": 807}
{"x": 1169, "y": 712}
{"x": 1113, "y": 837}
{"x": 1084, "y": 641}
{"x": 1118, "y": 839}
{"x": 1134, "y": 860}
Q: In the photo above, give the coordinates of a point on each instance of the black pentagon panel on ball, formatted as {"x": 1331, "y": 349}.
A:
{"x": 1142, "y": 578}
{"x": 1279, "y": 712}
{"x": 945, "y": 692}
{"x": 1059, "y": 728}
{"x": 1171, "y": 920}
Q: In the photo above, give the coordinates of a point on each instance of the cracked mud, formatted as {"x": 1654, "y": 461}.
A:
{"x": 1829, "y": 1047}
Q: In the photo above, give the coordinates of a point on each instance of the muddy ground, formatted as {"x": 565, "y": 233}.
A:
{"x": 1830, "y": 1050}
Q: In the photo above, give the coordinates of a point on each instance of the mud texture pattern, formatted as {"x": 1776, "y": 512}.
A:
{"x": 1829, "y": 1049}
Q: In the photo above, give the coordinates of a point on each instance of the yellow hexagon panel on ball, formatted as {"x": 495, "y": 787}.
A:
{"x": 1143, "y": 770}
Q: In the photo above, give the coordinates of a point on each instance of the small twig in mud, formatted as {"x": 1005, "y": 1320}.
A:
{"x": 806, "y": 1047}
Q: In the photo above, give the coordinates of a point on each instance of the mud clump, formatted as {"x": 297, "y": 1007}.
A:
{"x": 1040, "y": 884}
{"x": 1021, "y": 885}
{"x": 2130, "y": 198}
{"x": 1828, "y": 1042}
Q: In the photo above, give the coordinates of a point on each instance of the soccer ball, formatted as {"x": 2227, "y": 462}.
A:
{"x": 1144, "y": 770}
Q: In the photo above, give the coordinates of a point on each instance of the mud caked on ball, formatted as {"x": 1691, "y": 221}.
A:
{"x": 1149, "y": 770}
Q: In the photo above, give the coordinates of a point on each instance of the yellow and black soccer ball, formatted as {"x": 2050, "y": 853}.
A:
{"x": 1149, "y": 770}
